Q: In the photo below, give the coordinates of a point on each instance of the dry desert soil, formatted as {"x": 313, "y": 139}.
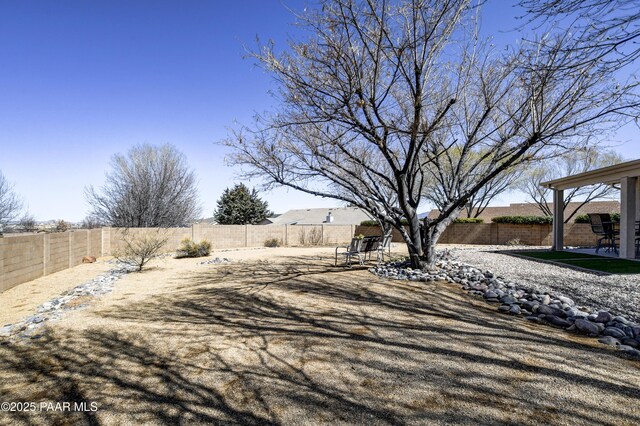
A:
{"x": 281, "y": 336}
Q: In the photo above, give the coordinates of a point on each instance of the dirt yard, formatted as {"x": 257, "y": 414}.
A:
{"x": 283, "y": 337}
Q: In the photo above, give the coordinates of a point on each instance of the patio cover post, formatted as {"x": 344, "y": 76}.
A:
{"x": 558, "y": 220}
{"x": 628, "y": 186}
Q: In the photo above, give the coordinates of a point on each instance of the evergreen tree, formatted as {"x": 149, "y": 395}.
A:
{"x": 239, "y": 206}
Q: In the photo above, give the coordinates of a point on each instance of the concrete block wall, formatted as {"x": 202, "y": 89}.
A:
{"x": 27, "y": 257}
{"x": 575, "y": 234}
{"x": 21, "y": 260}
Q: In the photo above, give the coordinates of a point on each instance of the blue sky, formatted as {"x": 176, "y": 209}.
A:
{"x": 82, "y": 80}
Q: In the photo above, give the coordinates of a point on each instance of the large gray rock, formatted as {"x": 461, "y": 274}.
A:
{"x": 490, "y": 294}
{"x": 566, "y": 300}
{"x": 587, "y": 327}
{"x": 603, "y": 316}
{"x": 631, "y": 342}
{"x": 509, "y": 300}
{"x": 550, "y": 310}
{"x": 614, "y": 332}
{"x": 515, "y": 309}
{"x": 608, "y": 340}
{"x": 557, "y": 321}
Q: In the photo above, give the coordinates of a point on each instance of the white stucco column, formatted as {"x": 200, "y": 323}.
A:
{"x": 628, "y": 211}
{"x": 558, "y": 220}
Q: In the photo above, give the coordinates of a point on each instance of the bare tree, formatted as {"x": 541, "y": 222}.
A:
{"x": 10, "y": 203}
{"x": 608, "y": 30}
{"x": 439, "y": 192}
{"x": 91, "y": 222}
{"x": 27, "y": 223}
{"x": 150, "y": 187}
{"x": 138, "y": 250}
{"x": 391, "y": 97}
{"x": 578, "y": 161}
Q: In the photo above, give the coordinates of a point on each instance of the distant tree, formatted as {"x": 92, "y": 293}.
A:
{"x": 239, "y": 206}
{"x": 91, "y": 222}
{"x": 62, "y": 226}
{"x": 150, "y": 187}
{"x": 10, "y": 203}
{"x": 579, "y": 161}
{"x": 27, "y": 223}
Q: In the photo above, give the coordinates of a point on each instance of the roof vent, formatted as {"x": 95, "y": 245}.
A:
{"x": 329, "y": 218}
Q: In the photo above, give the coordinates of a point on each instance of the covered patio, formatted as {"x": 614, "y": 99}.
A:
{"x": 626, "y": 175}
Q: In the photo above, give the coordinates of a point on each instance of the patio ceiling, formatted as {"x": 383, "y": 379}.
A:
{"x": 610, "y": 175}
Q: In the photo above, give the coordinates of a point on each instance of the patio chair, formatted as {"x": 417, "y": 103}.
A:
{"x": 353, "y": 249}
{"x": 602, "y": 226}
{"x": 385, "y": 244}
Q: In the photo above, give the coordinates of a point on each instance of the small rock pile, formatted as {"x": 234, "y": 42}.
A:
{"x": 215, "y": 261}
{"x": 535, "y": 306}
{"x": 76, "y": 298}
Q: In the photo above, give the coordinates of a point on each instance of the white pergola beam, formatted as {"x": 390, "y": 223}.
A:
{"x": 610, "y": 175}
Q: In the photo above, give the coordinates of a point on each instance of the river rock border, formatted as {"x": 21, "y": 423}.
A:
{"x": 514, "y": 299}
{"x": 76, "y": 298}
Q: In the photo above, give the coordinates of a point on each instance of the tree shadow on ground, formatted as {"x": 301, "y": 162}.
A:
{"x": 305, "y": 342}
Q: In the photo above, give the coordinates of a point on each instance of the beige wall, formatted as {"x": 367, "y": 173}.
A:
{"x": 27, "y": 257}
{"x": 575, "y": 234}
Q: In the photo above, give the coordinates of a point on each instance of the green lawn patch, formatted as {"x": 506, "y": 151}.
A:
{"x": 555, "y": 255}
{"x": 586, "y": 261}
{"x": 612, "y": 266}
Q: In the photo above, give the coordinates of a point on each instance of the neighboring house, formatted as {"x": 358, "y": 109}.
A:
{"x": 332, "y": 215}
{"x": 530, "y": 209}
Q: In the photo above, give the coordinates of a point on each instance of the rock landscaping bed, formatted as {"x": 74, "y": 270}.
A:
{"x": 76, "y": 298}
{"x": 517, "y": 299}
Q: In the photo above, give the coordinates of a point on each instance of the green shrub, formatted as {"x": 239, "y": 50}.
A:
{"x": 468, "y": 220}
{"x": 272, "y": 242}
{"x": 523, "y": 220}
{"x": 581, "y": 218}
{"x": 376, "y": 223}
{"x": 190, "y": 248}
{"x": 369, "y": 223}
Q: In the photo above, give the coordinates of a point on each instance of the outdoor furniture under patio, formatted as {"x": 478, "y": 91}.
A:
{"x": 626, "y": 176}
{"x": 602, "y": 226}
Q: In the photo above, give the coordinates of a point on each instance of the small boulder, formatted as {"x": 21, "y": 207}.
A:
{"x": 603, "y": 317}
{"x": 88, "y": 259}
{"x": 550, "y": 310}
{"x": 557, "y": 321}
{"x": 608, "y": 340}
{"x": 587, "y": 327}
{"x": 614, "y": 332}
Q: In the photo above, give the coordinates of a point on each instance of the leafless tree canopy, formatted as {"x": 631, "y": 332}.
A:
{"x": 150, "y": 187}
{"x": 389, "y": 100}
{"x": 607, "y": 29}
{"x": 10, "y": 203}
{"x": 578, "y": 161}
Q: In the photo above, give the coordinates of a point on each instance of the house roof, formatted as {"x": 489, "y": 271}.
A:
{"x": 610, "y": 175}
{"x": 531, "y": 209}
{"x": 341, "y": 216}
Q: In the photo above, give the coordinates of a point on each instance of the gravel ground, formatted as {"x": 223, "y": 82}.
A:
{"x": 295, "y": 340}
{"x": 620, "y": 294}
